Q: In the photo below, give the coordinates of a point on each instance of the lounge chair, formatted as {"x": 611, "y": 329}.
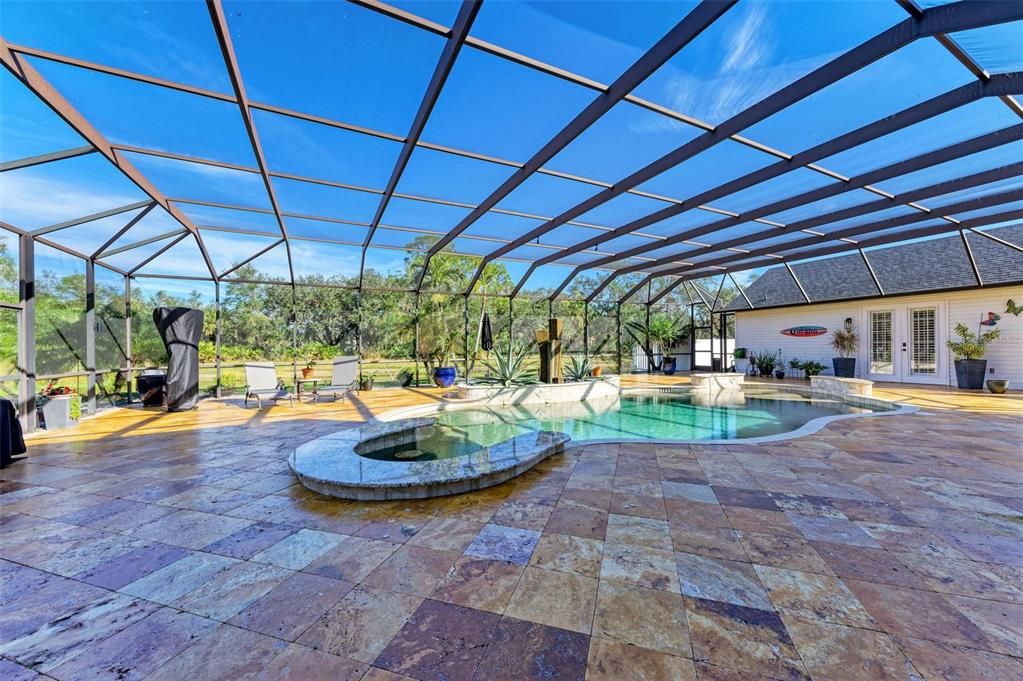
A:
{"x": 263, "y": 384}
{"x": 343, "y": 378}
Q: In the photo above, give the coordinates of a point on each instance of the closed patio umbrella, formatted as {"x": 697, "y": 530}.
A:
{"x": 181, "y": 329}
{"x": 486, "y": 335}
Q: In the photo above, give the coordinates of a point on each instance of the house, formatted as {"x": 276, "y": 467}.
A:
{"x": 904, "y": 300}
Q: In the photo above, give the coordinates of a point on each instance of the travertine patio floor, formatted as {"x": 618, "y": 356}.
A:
{"x": 177, "y": 547}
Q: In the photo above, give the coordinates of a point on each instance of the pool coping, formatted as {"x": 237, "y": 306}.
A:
{"x": 331, "y": 466}
{"x": 888, "y": 407}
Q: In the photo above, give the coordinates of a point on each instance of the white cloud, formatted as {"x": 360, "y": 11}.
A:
{"x": 30, "y": 202}
{"x": 750, "y": 45}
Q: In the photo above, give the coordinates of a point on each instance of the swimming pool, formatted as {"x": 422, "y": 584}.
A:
{"x": 676, "y": 415}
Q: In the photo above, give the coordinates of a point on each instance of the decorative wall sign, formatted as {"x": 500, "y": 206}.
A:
{"x": 1011, "y": 306}
{"x": 804, "y": 331}
{"x": 991, "y": 320}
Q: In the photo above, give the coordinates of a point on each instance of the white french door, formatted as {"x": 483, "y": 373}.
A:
{"x": 903, "y": 343}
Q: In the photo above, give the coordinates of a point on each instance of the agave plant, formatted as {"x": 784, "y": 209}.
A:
{"x": 509, "y": 368}
{"x": 577, "y": 370}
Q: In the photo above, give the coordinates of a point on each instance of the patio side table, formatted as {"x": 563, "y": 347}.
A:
{"x": 305, "y": 381}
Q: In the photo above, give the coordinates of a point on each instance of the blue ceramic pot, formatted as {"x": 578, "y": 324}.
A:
{"x": 668, "y": 366}
{"x": 445, "y": 377}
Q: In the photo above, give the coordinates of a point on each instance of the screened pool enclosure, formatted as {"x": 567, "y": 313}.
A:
{"x": 366, "y": 178}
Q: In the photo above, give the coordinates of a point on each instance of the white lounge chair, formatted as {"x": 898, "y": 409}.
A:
{"x": 263, "y": 384}
{"x": 344, "y": 376}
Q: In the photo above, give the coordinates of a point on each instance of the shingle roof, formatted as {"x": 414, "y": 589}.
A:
{"x": 907, "y": 268}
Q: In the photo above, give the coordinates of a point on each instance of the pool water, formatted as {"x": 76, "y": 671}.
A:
{"x": 645, "y": 416}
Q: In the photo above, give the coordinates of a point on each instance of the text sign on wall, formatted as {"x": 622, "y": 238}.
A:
{"x": 804, "y": 331}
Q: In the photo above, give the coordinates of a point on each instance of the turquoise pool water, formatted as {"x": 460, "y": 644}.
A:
{"x": 645, "y": 416}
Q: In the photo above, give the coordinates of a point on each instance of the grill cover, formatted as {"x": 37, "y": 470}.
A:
{"x": 181, "y": 328}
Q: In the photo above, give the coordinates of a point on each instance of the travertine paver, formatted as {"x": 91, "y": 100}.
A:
{"x": 886, "y": 548}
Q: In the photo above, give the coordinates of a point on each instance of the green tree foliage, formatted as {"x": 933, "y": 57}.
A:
{"x": 320, "y": 318}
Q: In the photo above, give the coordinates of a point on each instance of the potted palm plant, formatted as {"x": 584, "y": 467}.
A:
{"x": 664, "y": 331}
{"x": 845, "y": 341}
{"x": 969, "y": 353}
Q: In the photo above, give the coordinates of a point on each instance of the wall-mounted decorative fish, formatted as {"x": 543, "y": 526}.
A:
{"x": 804, "y": 331}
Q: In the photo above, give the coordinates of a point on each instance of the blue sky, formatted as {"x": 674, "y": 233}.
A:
{"x": 350, "y": 64}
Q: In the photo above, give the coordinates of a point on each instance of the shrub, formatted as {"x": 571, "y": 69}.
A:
{"x": 971, "y": 345}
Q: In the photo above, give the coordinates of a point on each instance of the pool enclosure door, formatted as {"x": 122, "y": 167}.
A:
{"x": 902, "y": 343}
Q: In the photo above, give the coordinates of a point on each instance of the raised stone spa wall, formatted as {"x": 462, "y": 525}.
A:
{"x": 718, "y": 381}
{"x": 330, "y": 465}
{"x": 542, "y": 393}
{"x": 841, "y": 387}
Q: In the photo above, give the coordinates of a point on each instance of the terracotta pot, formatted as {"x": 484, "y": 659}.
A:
{"x": 307, "y": 372}
{"x": 596, "y": 371}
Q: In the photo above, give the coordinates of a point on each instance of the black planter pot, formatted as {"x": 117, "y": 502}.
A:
{"x": 668, "y": 366}
{"x": 845, "y": 367}
{"x": 779, "y": 374}
{"x": 970, "y": 373}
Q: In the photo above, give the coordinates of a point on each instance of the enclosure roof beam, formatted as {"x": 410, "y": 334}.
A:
{"x": 997, "y": 239}
{"x": 452, "y": 47}
{"x": 664, "y": 292}
{"x": 34, "y": 81}
{"x": 139, "y": 244}
{"x": 252, "y": 257}
{"x": 961, "y": 96}
{"x": 969, "y": 205}
{"x": 943, "y": 19}
{"x": 341, "y": 125}
{"x": 870, "y": 269}
{"x": 331, "y": 183}
{"x": 845, "y": 234}
{"x": 46, "y": 158}
{"x": 231, "y": 62}
{"x": 977, "y": 179}
{"x": 154, "y": 256}
{"x": 971, "y": 146}
{"x": 699, "y": 294}
{"x": 11, "y": 228}
{"x": 691, "y": 26}
{"x": 969, "y": 255}
{"x": 879, "y": 241}
{"x": 70, "y": 251}
{"x": 89, "y": 218}
{"x": 802, "y": 291}
{"x": 962, "y": 56}
{"x": 121, "y": 232}
{"x": 635, "y": 289}
{"x": 743, "y": 293}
